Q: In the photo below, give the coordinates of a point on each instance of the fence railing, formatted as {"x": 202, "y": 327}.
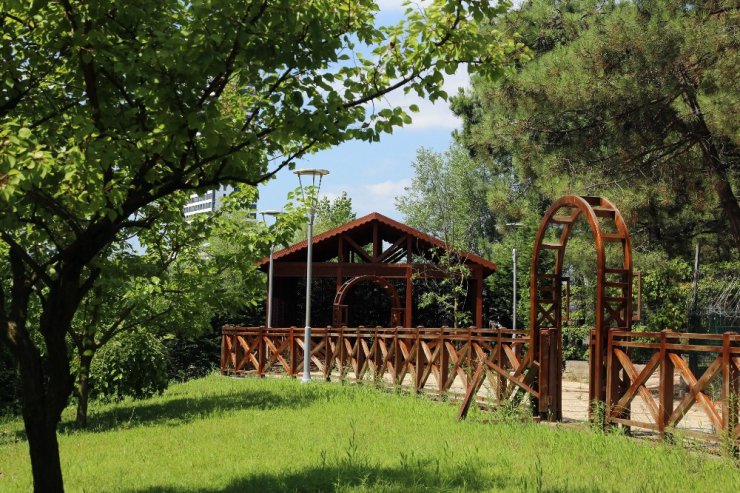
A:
{"x": 697, "y": 374}
{"x": 425, "y": 359}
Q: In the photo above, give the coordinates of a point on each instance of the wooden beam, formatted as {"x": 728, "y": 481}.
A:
{"x": 479, "y": 302}
{"x": 408, "y": 319}
{"x": 376, "y": 242}
{"x": 358, "y": 249}
{"x": 329, "y": 269}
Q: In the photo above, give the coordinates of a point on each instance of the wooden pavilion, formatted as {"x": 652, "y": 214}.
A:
{"x": 371, "y": 248}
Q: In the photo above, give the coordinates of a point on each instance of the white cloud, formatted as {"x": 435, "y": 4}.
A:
{"x": 397, "y": 5}
{"x": 373, "y": 197}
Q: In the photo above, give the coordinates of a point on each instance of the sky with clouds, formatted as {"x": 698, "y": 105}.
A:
{"x": 374, "y": 174}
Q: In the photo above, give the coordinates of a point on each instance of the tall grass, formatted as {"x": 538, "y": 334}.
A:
{"x": 223, "y": 434}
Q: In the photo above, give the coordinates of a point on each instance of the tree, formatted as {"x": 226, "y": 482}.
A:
{"x": 106, "y": 111}
{"x": 189, "y": 272}
{"x": 447, "y": 198}
{"x": 331, "y": 214}
{"x": 635, "y": 100}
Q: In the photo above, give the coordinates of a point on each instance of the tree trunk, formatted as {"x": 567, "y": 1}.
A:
{"x": 83, "y": 388}
{"x": 40, "y": 422}
{"x": 716, "y": 166}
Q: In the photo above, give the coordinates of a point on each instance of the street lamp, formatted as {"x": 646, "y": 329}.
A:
{"x": 513, "y": 297}
{"x": 310, "y": 196}
{"x": 273, "y": 214}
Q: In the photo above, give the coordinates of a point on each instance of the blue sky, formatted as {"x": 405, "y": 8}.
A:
{"x": 374, "y": 174}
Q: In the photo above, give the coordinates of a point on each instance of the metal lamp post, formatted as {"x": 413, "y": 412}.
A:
{"x": 310, "y": 197}
{"x": 513, "y": 298}
{"x": 264, "y": 215}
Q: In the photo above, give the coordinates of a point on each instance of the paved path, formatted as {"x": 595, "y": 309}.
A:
{"x": 575, "y": 396}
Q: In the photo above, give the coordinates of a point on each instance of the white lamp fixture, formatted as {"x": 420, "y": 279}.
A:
{"x": 310, "y": 196}
{"x": 273, "y": 214}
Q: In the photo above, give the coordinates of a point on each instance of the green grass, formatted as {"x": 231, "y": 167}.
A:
{"x": 223, "y": 434}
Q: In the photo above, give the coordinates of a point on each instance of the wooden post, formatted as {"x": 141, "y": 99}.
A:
{"x": 261, "y": 352}
{"x": 544, "y": 376}
{"x": 479, "y": 300}
{"x": 443, "y": 359}
{"x": 340, "y": 351}
{"x": 396, "y": 351}
{"x": 419, "y": 364}
{"x": 328, "y": 356}
{"x": 500, "y": 362}
{"x": 223, "y": 353}
{"x": 730, "y": 388}
{"x": 612, "y": 380}
{"x": 407, "y": 315}
{"x": 292, "y": 352}
{"x": 665, "y": 406}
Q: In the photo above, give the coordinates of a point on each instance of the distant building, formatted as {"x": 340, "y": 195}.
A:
{"x": 208, "y": 202}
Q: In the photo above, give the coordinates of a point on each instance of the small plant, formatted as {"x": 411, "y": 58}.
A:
{"x": 728, "y": 441}
{"x": 598, "y": 416}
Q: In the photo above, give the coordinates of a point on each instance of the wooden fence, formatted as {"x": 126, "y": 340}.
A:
{"x": 396, "y": 356}
{"x": 711, "y": 387}
{"x": 446, "y": 361}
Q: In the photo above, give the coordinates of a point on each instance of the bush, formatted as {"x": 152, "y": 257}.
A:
{"x": 575, "y": 342}
{"x": 193, "y": 357}
{"x": 132, "y": 364}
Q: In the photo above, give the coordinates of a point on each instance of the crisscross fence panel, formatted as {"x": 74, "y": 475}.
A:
{"x": 435, "y": 360}
{"x": 661, "y": 394}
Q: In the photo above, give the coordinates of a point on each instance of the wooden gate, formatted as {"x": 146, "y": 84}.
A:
{"x": 541, "y": 375}
{"x": 613, "y": 293}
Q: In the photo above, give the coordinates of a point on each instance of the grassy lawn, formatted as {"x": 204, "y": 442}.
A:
{"x": 223, "y": 434}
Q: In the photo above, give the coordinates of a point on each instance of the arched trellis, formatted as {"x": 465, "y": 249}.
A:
{"x": 613, "y": 293}
{"x": 341, "y": 311}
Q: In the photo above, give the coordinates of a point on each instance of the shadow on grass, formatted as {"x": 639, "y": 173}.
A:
{"x": 400, "y": 479}
{"x": 180, "y": 410}
{"x": 177, "y": 411}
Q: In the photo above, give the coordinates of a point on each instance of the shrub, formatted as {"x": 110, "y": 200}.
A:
{"x": 192, "y": 357}
{"x": 132, "y": 364}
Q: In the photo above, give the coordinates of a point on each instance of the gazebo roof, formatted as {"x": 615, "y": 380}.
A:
{"x": 362, "y": 231}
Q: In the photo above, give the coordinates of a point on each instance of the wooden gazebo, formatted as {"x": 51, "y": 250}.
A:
{"x": 371, "y": 248}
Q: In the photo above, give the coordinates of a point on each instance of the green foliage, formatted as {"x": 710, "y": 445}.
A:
{"x": 447, "y": 199}
{"x": 666, "y": 284}
{"x": 192, "y": 424}
{"x": 111, "y": 116}
{"x": 630, "y": 100}
{"x": 333, "y": 213}
{"x": 575, "y": 342}
{"x": 192, "y": 357}
{"x": 133, "y": 364}
{"x": 329, "y": 214}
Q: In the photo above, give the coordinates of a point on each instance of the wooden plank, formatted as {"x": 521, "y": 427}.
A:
{"x": 471, "y": 392}
{"x": 634, "y": 376}
{"x": 695, "y": 391}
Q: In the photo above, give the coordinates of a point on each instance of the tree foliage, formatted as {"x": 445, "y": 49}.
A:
{"x": 331, "y": 214}
{"x": 633, "y": 100}
{"x": 447, "y": 198}
{"x": 109, "y": 109}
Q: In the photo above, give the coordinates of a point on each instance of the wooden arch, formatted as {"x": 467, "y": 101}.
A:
{"x": 341, "y": 311}
{"x": 613, "y": 293}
